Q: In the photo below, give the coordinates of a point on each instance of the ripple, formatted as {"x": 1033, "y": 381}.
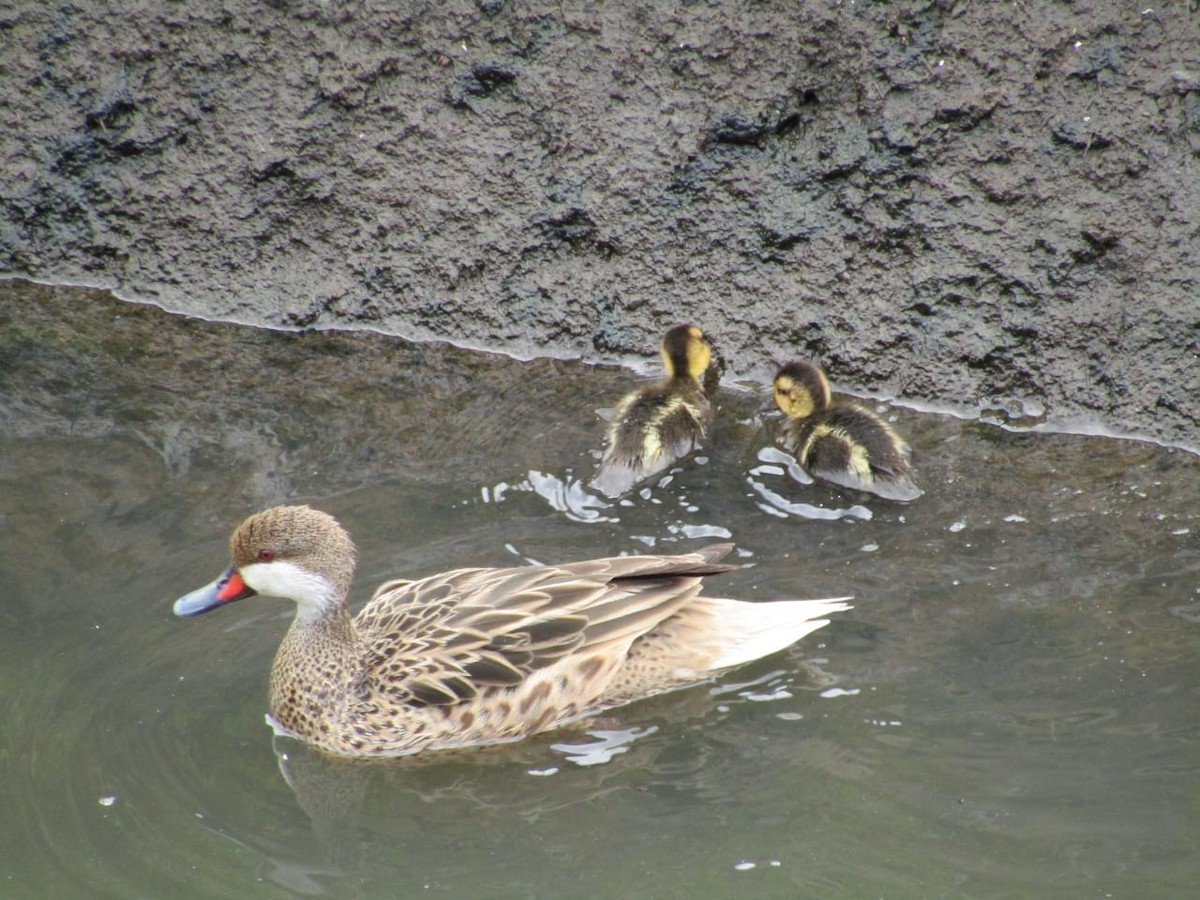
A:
{"x": 608, "y": 743}
{"x": 772, "y": 502}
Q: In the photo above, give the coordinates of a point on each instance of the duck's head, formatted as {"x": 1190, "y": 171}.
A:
{"x": 295, "y": 552}
{"x": 685, "y": 352}
{"x": 801, "y": 390}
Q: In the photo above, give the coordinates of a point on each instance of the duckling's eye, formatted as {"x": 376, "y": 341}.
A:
{"x": 266, "y": 555}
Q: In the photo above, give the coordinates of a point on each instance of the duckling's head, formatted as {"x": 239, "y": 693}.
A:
{"x": 801, "y": 390}
{"x": 685, "y": 352}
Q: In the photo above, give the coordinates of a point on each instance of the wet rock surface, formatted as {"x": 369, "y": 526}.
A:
{"x": 975, "y": 205}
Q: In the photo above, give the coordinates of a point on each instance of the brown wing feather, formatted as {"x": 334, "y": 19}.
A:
{"x": 439, "y": 640}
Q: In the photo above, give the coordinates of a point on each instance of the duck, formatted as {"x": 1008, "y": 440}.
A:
{"x": 478, "y": 656}
{"x": 839, "y": 441}
{"x": 655, "y": 425}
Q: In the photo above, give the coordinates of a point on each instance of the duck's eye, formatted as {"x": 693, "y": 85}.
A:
{"x": 266, "y": 555}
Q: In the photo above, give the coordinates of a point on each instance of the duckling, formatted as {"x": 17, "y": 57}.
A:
{"x": 655, "y": 425}
{"x": 478, "y": 656}
{"x": 840, "y": 441}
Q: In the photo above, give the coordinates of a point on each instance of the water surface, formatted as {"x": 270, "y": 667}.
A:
{"x": 1009, "y": 710}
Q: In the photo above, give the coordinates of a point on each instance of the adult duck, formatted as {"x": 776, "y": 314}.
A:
{"x": 483, "y": 655}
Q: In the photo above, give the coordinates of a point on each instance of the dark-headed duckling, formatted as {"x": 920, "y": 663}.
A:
{"x": 656, "y": 425}
{"x": 840, "y": 441}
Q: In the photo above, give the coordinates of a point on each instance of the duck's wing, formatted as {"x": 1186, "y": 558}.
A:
{"x": 444, "y": 639}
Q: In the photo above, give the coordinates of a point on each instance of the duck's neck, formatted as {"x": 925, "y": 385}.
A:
{"x": 315, "y": 671}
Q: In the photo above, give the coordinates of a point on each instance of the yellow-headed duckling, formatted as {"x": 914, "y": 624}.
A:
{"x": 656, "y": 425}
{"x": 839, "y": 441}
{"x": 478, "y": 656}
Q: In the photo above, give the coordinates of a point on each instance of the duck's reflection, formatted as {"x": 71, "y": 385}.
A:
{"x": 661, "y": 753}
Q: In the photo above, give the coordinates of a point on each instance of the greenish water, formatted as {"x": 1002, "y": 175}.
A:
{"x": 1010, "y": 710}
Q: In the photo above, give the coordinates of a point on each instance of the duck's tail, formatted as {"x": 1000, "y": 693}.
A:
{"x": 744, "y": 631}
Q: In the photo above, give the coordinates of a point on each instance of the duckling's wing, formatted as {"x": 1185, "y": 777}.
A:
{"x": 852, "y": 447}
{"x": 446, "y": 638}
{"x": 900, "y": 487}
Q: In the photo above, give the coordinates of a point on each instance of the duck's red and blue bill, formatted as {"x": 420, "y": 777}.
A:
{"x": 226, "y": 589}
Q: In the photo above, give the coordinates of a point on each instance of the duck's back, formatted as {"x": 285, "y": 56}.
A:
{"x": 477, "y": 656}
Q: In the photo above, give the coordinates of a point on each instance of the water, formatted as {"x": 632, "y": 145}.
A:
{"x": 1009, "y": 711}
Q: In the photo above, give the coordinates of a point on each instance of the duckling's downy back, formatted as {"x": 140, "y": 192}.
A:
{"x": 658, "y": 424}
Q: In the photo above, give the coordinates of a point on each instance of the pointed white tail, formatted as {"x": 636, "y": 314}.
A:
{"x": 748, "y": 631}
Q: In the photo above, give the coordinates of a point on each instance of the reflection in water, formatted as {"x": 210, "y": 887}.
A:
{"x": 609, "y": 742}
{"x": 776, "y": 463}
{"x": 1010, "y": 705}
{"x": 571, "y": 497}
{"x": 568, "y": 496}
{"x": 297, "y": 876}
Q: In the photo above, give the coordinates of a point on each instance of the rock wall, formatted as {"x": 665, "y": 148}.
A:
{"x": 976, "y": 205}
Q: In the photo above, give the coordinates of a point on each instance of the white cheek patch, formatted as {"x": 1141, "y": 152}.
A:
{"x": 280, "y": 578}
